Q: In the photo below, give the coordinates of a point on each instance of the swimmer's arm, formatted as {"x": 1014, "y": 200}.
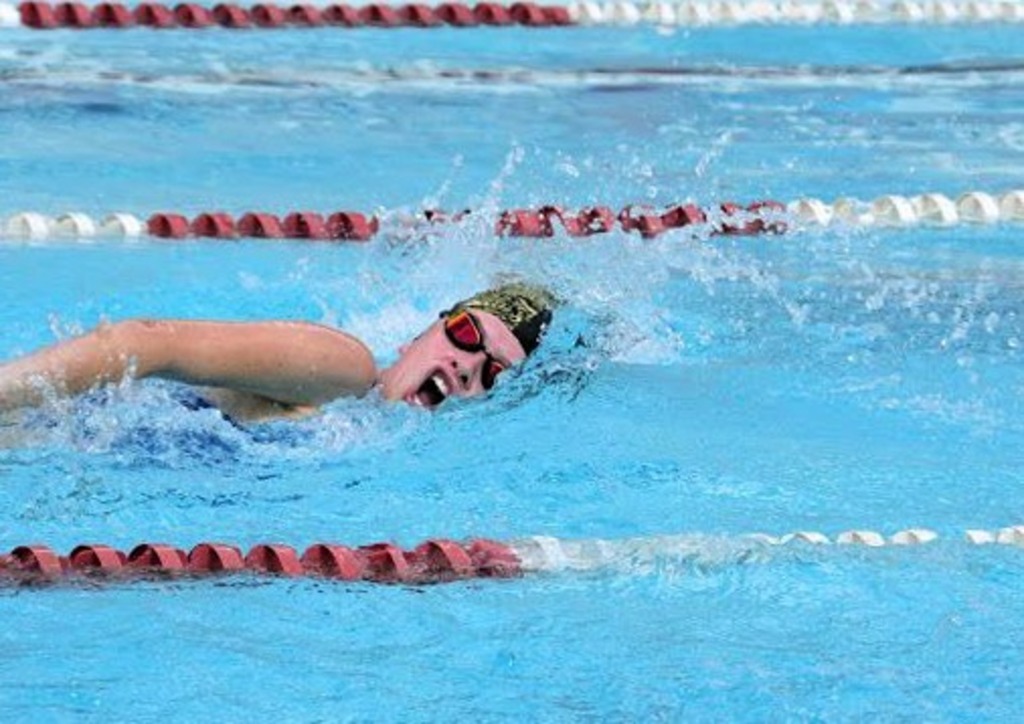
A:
{"x": 292, "y": 363}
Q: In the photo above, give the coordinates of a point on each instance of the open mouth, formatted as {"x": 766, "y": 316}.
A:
{"x": 432, "y": 392}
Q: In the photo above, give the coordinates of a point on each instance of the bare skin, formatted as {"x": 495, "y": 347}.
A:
{"x": 431, "y": 355}
{"x": 254, "y": 370}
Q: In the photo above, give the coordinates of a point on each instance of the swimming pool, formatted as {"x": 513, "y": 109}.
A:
{"x": 826, "y": 380}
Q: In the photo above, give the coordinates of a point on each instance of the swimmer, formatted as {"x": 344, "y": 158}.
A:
{"x": 258, "y": 370}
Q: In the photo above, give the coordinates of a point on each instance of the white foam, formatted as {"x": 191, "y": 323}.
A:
{"x": 9, "y": 16}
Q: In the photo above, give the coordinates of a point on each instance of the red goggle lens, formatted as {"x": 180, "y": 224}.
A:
{"x": 463, "y": 332}
{"x": 492, "y": 369}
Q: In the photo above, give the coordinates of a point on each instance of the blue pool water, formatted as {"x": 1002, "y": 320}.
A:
{"x": 824, "y": 380}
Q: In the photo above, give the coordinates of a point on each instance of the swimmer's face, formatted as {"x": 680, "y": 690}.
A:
{"x": 431, "y": 368}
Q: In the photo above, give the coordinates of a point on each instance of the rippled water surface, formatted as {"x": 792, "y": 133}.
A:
{"x": 822, "y": 380}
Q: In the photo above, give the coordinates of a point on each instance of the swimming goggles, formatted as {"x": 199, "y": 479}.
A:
{"x": 464, "y": 332}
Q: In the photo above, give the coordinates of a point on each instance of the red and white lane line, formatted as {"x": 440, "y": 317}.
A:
{"x": 46, "y": 16}
{"x": 434, "y": 561}
{"x": 766, "y": 216}
{"x": 546, "y": 221}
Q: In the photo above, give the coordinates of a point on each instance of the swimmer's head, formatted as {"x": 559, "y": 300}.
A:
{"x": 472, "y": 343}
{"x": 524, "y": 309}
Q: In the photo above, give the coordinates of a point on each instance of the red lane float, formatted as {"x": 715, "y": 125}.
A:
{"x": 333, "y": 561}
{"x": 158, "y": 557}
{"x": 96, "y": 558}
{"x": 379, "y": 16}
{"x": 761, "y": 217}
{"x": 442, "y": 558}
{"x": 456, "y": 14}
{"x": 420, "y": 16}
{"x": 36, "y": 560}
{"x": 38, "y": 16}
{"x": 268, "y": 16}
{"x": 229, "y": 15}
{"x": 351, "y": 226}
{"x": 112, "y": 15}
{"x": 434, "y": 561}
{"x": 216, "y": 225}
{"x": 215, "y": 558}
{"x": 528, "y": 14}
{"x": 492, "y": 14}
{"x": 260, "y": 226}
{"x": 74, "y": 15}
{"x": 168, "y": 226}
{"x": 385, "y": 562}
{"x": 44, "y": 16}
{"x": 190, "y": 15}
{"x": 306, "y": 16}
{"x": 280, "y": 559}
{"x": 491, "y": 559}
{"x": 155, "y": 16}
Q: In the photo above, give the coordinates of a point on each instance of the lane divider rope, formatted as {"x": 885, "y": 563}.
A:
{"x": 727, "y": 218}
{"x": 46, "y": 16}
{"x": 434, "y": 561}
{"x": 766, "y": 216}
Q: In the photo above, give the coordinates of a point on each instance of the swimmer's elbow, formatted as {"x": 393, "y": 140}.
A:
{"x": 363, "y": 373}
{"x": 135, "y": 343}
{"x": 347, "y": 370}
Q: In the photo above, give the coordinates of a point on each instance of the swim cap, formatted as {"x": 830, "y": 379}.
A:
{"x": 524, "y": 308}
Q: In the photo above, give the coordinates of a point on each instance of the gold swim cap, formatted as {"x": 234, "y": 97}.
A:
{"x": 524, "y": 308}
